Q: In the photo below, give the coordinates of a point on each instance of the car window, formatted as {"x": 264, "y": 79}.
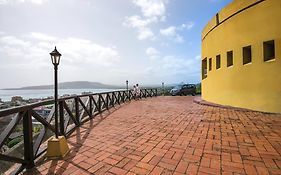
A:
{"x": 177, "y": 87}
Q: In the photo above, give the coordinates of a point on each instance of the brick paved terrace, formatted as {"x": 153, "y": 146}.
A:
{"x": 172, "y": 135}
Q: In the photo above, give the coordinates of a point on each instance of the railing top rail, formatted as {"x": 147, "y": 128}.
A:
{"x": 92, "y": 94}
{"x": 9, "y": 111}
{"x": 17, "y": 109}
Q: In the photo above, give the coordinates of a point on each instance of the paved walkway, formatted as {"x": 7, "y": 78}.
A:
{"x": 173, "y": 135}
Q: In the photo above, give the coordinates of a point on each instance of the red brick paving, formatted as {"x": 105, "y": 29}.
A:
{"x": 173, "y": 135}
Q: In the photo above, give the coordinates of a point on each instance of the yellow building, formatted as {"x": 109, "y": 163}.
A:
{"x": 241, "y": 56}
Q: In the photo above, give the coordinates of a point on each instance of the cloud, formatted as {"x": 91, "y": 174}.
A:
{"x": 187, "y": 26}
{"x": 152, "y": 53}
{"x": 171, "y": 32}
{"x": 172, "y": 66}
{"x": 153, "y": 11}
{"x": 152, "y": 8}
{"x": 146, "y": 33}
{"x": 43, "y": 37}
{"x": 35, "y": 47}
{"x": 38, "y": 2}
{"x": 136, "y": 22}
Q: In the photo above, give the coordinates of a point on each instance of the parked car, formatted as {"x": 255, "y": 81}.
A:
{"x": 185, "y": 89}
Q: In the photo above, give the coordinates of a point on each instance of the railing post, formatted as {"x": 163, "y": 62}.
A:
{"x": 123, "y": 96}
{"x": 91, "y": 107}
{"x": 112, "y": 99}
{"x": 77, "y": 110}
{"x": 145, "y": 92}
{"x": 28, "y": 140}
{"x": 107, "y": 101}
{"x": 61, "y": 114}
{"x": 99, "y": 103}
{"x": 130, "y": 95}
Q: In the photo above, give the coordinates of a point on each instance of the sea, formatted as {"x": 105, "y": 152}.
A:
{"x": 6, "y": 95}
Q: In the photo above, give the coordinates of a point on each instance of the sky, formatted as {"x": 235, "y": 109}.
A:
{"x": 107, "y": 41}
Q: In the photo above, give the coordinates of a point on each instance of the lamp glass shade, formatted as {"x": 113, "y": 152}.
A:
{"x": 55, "y": 57}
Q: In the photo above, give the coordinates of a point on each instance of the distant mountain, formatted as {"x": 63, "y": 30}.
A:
{"x": 70, "y": 85}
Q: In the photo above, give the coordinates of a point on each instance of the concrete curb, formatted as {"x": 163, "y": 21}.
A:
{"x": 200, "y": 101}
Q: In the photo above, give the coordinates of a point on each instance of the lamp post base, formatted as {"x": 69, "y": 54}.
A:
{"x": 57, "y": 148}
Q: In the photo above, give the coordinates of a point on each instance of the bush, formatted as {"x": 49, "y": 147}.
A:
{"x": 36, "y": 129}
{"x": 198, "y": 88}
{"x": 14, "y": 142}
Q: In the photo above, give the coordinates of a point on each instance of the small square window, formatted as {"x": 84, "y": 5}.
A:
{"x": 247, "y": 55}
{"x": 218, "y": 61}
{"x": 268, "y": 50}
{"x": 204, "y": 68}
{"x": 229, "y": 55}
{"x": 210, "y": 64}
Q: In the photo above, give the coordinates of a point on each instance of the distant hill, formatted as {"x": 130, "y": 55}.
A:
{"x": 70, "y": 85}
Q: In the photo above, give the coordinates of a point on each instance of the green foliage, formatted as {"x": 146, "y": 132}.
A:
{"x": 14, "y": 142}
{"x": 18, "y": 128}
{"x": 37, "y": 129}
{"x": 166, "y": 91}
{"x": 198, "y": 88}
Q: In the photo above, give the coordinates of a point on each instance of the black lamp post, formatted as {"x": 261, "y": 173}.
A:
{"x": 163, "y": 88}
{"x": 127, "y": 87}
{"x": 55, "y": 56}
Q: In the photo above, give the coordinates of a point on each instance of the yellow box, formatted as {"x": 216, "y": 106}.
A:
{"x": 57, "y": 148}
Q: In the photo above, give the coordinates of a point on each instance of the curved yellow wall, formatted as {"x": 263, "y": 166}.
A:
{"x": 257, "y": 85}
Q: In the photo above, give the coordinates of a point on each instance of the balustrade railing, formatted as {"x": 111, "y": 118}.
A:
{"x": 35, "y": 128}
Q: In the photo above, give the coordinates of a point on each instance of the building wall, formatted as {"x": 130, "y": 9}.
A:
{"x": 256, "y": 85}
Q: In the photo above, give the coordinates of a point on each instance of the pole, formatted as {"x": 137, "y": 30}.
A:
{"x": 56, "y": 100}
{"x": 127, "y": 87}
{"x": 163, "y": 88}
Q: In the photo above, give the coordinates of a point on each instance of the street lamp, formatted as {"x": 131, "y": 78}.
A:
{"x": 57, "y": 146}
{"x": 55, "y": 57}
{"x": 127, "y": 87}
{"x": 163, "y": 88}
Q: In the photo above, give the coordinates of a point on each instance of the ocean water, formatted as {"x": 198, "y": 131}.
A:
{"x": 6, "y": 95}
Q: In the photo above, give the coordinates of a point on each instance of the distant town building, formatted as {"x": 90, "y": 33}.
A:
{"x": 42, "y": 110}
{"x": 16, "y": 99}
{"x": 34, "y": 100}
{"x": 241, "y": 63}
{"x": 4, "y": 105}
{"x": 86, "y": 93}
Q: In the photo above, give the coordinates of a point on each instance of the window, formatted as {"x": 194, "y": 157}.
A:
{"x": 247, "y": 55}
{"x": 210, "y": 64}
{"x": 218, "y": 61}
{"x": 204, "y": 68}
{"x": 268, "y": 50}
{"x": 217, "y": 19}
{"x": 229, "y": 55}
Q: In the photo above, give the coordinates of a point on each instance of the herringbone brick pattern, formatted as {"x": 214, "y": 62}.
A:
{"x": 172, "y": 135}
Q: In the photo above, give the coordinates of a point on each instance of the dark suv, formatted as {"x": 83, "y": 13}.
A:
{"x": 184, "y": 89}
